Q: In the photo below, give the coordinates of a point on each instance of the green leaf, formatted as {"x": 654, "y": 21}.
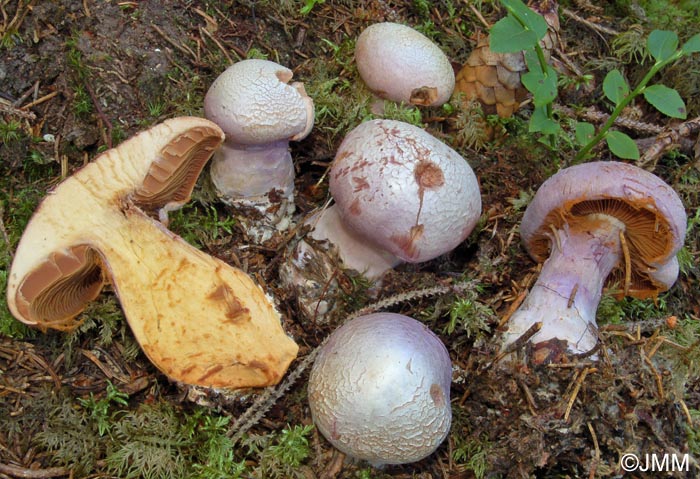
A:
{"x": 622, "y": 145}
{"x": 666, "y": 100}
{"x": 543, "y": 87}
{"x": 584, "y": 132}
{"x": 509, "y": 36}
{"x": 542, "y": 84}
{"x": 540, "y": 122}
{"x": 692, "y": 45}
{"x": 530, "y": 19}
{"x": 615, "y": 87}
{"x": 662, "y": 44}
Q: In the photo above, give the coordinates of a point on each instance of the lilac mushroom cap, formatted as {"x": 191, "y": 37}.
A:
{"x": 380, "y": 389}
{"x": 401, "y": 64}
{"x": 595, "y": 225}
{"x": 400, "y": 194}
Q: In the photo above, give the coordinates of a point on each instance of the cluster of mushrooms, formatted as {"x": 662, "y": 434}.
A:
{"x": 380, "y": 387}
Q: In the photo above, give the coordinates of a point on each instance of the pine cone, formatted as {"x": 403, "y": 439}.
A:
{"x": 494, "y": 78}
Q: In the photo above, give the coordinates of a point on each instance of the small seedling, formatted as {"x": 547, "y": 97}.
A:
{"x": 521, "y": 30}
{"x": 663, "y": 47}
{"x": 99, "y": 409}
{"x": 309, "y": 5}
{"x": 10, "y": 131}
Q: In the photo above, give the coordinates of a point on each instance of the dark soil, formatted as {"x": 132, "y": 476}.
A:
{"x": 93, "y": 73}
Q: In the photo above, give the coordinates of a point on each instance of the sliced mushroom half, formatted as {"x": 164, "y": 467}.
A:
{"x": 199, "y": 320}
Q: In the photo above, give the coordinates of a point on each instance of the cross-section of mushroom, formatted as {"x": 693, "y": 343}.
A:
{"x": 595, "y": 225}
{"x": 198, "y": 320}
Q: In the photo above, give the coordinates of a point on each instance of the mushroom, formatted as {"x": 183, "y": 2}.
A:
{"x": 594, "y": 225}
{"x": 401, "y": 64}
{"x": 199, "y": 320}
{"x": 260, "y": 112}
{"x": 400, "y": 195}
{"x": 379, "y": 389}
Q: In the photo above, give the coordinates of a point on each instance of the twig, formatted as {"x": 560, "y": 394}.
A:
{"x": 39, "y": 101}
{"x": 594, "y": 26}
{"x": 9, "y": 109}
{"x": 478, "y": 14}
{"x": 596, "y": 116}
{"x": 515, "y": 345}
{"x": 512, "y": 308}
{"x": 575, "y": 391}
{"x": 33, "y": 90}
{"x": 666, "y": 139}
{"x": 531, "y": 405}
{"x": 22, "y": 472}
{"x": 218, "y": 44}
{"x": 101, "y": 114}
{"x": 596, "y": 458}
{"x": 184, "y": 49}
{"x": 657, "y": 376}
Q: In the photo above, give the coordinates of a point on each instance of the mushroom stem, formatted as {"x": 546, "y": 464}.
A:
{"x": 355, "y": 251}
{"x": 244, "y": 171}
{"x": 258, "y": 178}
{"x": 566, "y": 295}
{"x": 311, "y": 271}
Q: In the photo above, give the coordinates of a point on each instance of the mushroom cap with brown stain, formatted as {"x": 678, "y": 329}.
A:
{"x": 404, "y": 190}
{"x": 652, "y": 212}
{"x": 401, "y": 64}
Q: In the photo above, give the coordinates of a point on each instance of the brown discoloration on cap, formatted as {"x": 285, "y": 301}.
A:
{"x": 355, "y": 208}
{"x": 360, "y": 183}
{"x": 424, "y": 96}
{"x": 437, "y": 396}
{"x": 407, "y": 242}
{"x": 235, "y": 312}
{"x": 428, "y": 175}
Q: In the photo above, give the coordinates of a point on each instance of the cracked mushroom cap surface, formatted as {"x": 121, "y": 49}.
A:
{"x": 198, "y": 319}
{"x": 651, "y": 211}
{"x": 404, "y": 190}
{"x": 379, "y": 389}
{"x": 254, "y": 103}
{"x": 401, "y": 64}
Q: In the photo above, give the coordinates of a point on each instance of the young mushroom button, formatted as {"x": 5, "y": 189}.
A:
{"x": 592, "y": 225}
{"x": 401, "y": 64}
{"x": 379, "y": 389}
{"x": 260, "y": 112}
{"x": 198, "y": 320}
